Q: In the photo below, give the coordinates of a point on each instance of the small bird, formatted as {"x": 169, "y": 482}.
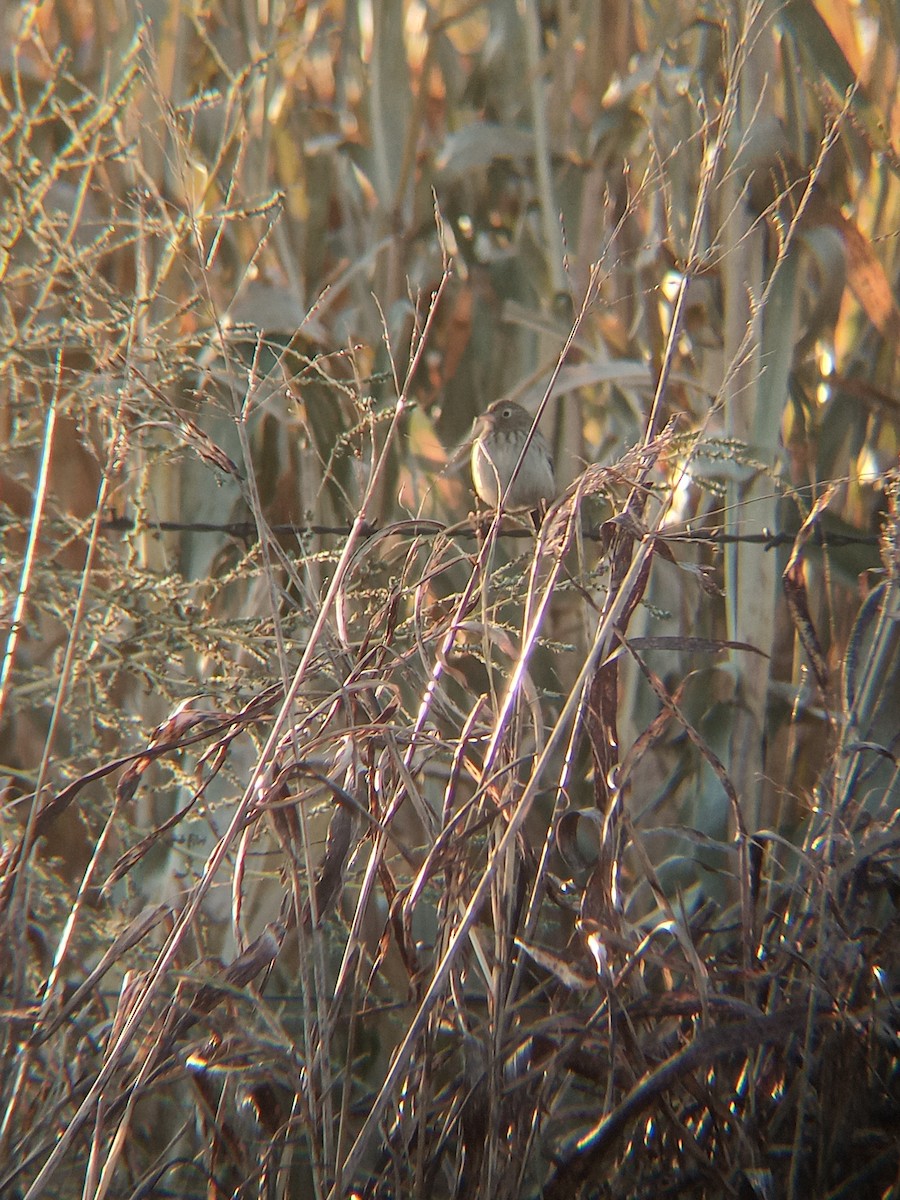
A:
{"x": 499, "y": 435}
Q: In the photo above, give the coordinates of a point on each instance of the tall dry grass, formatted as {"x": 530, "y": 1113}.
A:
{"x": 352, "y": 847}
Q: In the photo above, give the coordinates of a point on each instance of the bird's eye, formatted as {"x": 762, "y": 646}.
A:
{"x": 506, "y": 413}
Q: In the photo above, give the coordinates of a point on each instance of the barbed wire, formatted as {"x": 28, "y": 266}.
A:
{"x": 418, "y": 527}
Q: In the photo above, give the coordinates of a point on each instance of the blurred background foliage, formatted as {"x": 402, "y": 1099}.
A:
{"x": 221, "y": 225}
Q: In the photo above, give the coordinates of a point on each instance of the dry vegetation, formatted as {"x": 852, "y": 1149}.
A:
{"x": 352, "y": 847}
